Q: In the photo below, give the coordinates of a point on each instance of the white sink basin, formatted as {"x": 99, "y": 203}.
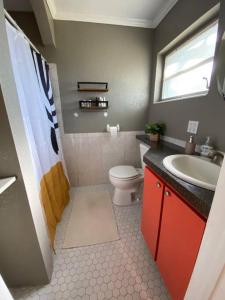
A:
{"x": 193, "y": 169}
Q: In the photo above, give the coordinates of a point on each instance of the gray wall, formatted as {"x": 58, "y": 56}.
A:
{"x": 122, "y": 55}
{"x": 21, "y": 262}
{"x": 209, "y": 110}
{"x": 96, "y": 52}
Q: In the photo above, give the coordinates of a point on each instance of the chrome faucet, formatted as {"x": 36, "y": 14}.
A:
{"x": 216, "y": 157}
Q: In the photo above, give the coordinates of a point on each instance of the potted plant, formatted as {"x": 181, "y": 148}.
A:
{"x": 154, "y": 130}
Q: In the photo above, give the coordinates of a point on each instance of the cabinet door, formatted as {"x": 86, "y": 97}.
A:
{"x": 180, "y": 238}
{"x": 151, "y": 211}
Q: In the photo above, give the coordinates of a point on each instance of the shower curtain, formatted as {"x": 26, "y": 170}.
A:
{"x": 31, "y": 73}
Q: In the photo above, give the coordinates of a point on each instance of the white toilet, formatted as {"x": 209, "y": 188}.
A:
{"x": 127, "y": 181}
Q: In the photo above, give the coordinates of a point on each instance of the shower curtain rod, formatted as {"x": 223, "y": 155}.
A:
{"x": 11, "y": 20}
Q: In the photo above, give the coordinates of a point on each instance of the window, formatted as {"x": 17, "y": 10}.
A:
{"x": 187, "y": 69}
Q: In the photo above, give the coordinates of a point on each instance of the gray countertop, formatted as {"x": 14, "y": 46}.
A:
{"x": 199, "y": 199}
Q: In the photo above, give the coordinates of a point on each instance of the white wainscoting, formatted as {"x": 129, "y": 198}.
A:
{"x": 90, "y": 156}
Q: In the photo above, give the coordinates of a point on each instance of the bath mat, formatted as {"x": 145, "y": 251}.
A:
{"x": 92, "y": 220}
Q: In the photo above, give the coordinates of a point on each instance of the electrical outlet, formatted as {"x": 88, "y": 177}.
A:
{"x": 193, "y": 127}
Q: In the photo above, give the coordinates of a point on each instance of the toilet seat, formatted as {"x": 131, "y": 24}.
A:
{"x": 124, "y": 172}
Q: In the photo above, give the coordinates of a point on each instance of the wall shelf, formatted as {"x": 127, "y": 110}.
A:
{"x": 93, "y": 105}
{"x": 93, "y": 90}
{"x": 87, "y": 86}
{"x": 6, "y": 182}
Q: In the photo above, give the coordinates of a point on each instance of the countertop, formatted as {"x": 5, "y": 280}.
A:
{"x": 199, "y": 199}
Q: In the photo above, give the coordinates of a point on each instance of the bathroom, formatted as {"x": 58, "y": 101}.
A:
{"x": 93, "y": 209}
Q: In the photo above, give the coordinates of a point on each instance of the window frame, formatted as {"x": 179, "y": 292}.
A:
{"x": 190, "y": 37}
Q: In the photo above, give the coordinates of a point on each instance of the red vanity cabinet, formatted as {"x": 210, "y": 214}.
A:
{"x": 180, "y": 238}
{"x": 151, "y": 212}
{"x": 173, "y": 233}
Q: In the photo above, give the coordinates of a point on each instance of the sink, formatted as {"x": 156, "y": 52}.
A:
{"x": 193, "y": 169}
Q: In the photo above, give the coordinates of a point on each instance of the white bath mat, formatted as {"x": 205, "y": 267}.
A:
{"x": 92, "y": 220}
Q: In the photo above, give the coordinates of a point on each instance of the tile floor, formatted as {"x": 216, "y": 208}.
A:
{"x": 117, "y": 270}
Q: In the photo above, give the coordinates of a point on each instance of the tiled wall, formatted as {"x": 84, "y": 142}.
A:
{"x": 89, "y": 156}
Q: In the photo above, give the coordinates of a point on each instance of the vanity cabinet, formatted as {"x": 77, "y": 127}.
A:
{"x": 151, "y": 212}
{"x": 180, "y": 238}
{"x": 173, "y": 235}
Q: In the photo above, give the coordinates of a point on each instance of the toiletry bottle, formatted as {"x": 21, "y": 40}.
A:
{"x": 190, "y": 146}
{"x": 206, "y": 148}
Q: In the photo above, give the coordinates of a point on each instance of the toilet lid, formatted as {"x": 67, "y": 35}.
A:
{"x": 123, "y": 172}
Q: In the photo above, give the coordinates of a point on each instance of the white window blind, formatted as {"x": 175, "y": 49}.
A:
{"x": 187, "y": 70}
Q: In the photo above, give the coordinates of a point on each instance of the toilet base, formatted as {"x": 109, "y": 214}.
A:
{"x": 128, "y": 197}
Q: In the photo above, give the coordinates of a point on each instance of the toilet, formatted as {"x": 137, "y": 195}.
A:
{"x": 127, "y": 181}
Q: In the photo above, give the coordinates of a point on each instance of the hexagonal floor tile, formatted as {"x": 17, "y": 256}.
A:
{"x": 121, "y": 269}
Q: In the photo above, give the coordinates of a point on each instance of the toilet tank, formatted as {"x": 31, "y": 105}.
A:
{"x": 143, "y": 149}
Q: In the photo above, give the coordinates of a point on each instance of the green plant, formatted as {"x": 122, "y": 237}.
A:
{"x": 155, "y": 128}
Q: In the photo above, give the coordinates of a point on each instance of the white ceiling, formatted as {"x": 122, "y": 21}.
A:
{"x": 140, "y": 13}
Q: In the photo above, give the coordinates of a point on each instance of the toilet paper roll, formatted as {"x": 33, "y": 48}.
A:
{"x": 113, "y": 131}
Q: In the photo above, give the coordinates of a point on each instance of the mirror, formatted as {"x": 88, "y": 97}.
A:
{"x": 221, "y": 69}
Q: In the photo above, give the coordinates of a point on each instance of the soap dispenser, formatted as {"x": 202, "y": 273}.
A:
{"x": 190, "y": 146}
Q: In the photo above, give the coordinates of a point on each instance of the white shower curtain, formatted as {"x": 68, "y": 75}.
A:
{"x": 40, "y": 122}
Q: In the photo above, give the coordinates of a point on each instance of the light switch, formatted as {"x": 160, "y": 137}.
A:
{"x": 193, "y": 127}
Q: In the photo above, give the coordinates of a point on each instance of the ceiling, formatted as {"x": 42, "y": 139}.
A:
{"x": 140, "y": 13}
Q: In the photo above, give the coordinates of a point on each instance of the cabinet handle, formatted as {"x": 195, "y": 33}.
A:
{"x": 158, "y": 184}
{"x": 167, "y": 193}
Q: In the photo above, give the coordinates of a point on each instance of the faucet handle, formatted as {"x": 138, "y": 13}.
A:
{"x": 217, "y": 157}
{"x": 211, "y": 154}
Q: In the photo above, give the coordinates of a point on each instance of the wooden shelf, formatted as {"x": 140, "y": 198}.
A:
{"x": 93, "y": 109}
{"x": 87, "y": 86}
{"x": 93, "y": 105}
{"x": 93, "y": 90}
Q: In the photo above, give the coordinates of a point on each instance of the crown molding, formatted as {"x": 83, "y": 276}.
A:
{"x": 104, "y": 19}
{"x": 163, "y": 12}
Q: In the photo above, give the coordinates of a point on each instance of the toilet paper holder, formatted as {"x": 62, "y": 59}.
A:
{"x": 108, "y": 127}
